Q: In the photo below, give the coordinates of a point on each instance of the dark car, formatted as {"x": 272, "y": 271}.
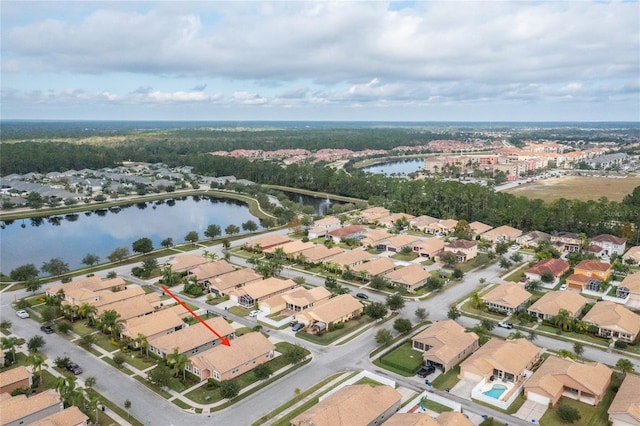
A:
{"x": 47, "y": 329}
{"x": 297, "y": 326}
{"x": 362, "y": 296}
{"x": 74, "y": 368}
{"x": 425, "y": 371}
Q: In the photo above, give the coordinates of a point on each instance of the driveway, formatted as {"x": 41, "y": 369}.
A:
{"x": 463, "y": 388}
{"x": 531, "y": 411}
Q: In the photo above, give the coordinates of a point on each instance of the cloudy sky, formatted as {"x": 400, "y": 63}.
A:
{"x": 311, "y": 60}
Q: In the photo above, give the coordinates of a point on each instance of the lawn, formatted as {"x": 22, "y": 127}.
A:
{"x": 434, "y": 406}
{"x": 153, "y": 387}
{"x": 584, "y": 337}
{"x": 368, "y": 381}
{"x": 517, "y": 274}
{"x": 134, "y": 359}
{"x": 104, "y": 341}
{"x": 239, "y": 311}
{"x": 447, "y": 380}
{"x": 333, "y": 335}
{"x": 81, "y": 328}
{"x": 406, "y": 257}
{"x": 480, "y": 260}
{"x": 589, "y": 415}
{"x": 403, "y": 360}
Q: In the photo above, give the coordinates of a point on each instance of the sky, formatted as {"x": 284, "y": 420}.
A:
{"x": 316, "y": 60}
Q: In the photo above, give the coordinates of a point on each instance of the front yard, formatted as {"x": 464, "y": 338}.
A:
{"x": 403, "y": 360}
{"x": 333, "y": 335}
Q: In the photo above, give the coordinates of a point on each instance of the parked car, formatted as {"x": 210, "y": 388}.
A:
{"x": 563, "y": 287}
{"x": 362, "y": 296}
{"x": 292, "y": 323}
{"x": 74, "y": 368}
{"x": 254, "y": 314}
{"x": 426, "y": 370}
{"x": 297, "y": 326}
{"x": 505, "y": 324}
{"x": 22, "y": 314}
{"x": 47, "y": 329}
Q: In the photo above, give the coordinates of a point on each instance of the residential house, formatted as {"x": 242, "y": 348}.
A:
{"x": 93, "y": 283}
{"x": 348, "y": 259}
{"x": 632, "y": 254}
{"x": 222, "y": 284}
{"x": 556, "y": 377}
{"x": 372, "y": 214}
{"x": 319, "y": 253}
{"x": 502, "y": 234}
{"x": 442, "y": 227}
{"x": 15, "y": 378}
{"x": 507, "y": 297}
{"x": 352, "y": 405}
{"x": 422, "y": 222}
{"x": 322, "y": 226}
{"x": 258, "y": 291}
{"x": 445, "y": 344}
{"x": 184, "y": 262}
{"x": 193, "y": 339}
{"x": 610, "y": 244}
{"x": 266, "y": 242}
{"x": 630, "y": 287}
{"x": 293, "y": 249}
{"x": 479, "y": 228}
{"x": 429, "y": 248}
{"x": 227, "y": 362}
{"x": 503, "y": 359}
{"x": 70, "y": 416}
{"x": 614, "y": 321}
{"x": 380, "y": 266}
{"x": 532, "y": 239}
{"x": 321, "y": 317}
{"x": 447, "y": 418}
{"x": 159, "y": 323}
{"x": 138, "y": 306}
{"x": 106, "y": 298}
{"x": 595, "y": 250}
{"x": 550, "y": 304}
{"x": 23, "y": 410}
{"x": 410, "y": 277}
{"x": 390, "y": 220}
{"x": 587, "y": 275}
{"x": 555, "y": 267}
{"x": 396, "y": 243}
{"x": 349, "y": 232}
{"x": 567, "y": 241}
{"x": 206, "y": 272}
{"x": 372, "y": 237}
{"x": 463, "y": 249}
{"x": 296, "y": 300}
{"x": 625, "y": 407}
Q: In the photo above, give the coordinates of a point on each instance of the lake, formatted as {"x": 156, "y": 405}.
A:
{"x": 399, "y": 168}
{"x": 71, "y": 237}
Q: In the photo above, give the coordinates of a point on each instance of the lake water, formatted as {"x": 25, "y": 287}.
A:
{"x": 397, "y": 168}
{"x": 71, "y": 237}
{"x": 320, "y": 205}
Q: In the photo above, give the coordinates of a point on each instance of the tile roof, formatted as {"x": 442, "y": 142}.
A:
{"x": 422, "y": 221}
{"x": 376, "y": 266}
{"x": 346, "y": 231}
{"x": 447, "y": 340}
{"x": 512, "y": 356}
{"x": 453, "y": 418}
{"x": 556, "y": 266}
{"x": 333, "y": 309}
{"x": 633, "y": 253}
{"x": 409, "y": 275}
{"x": 292, "y": 247}
{"x": 149, "y": 325}
{"x": 211, "y": 269}
{"x": 593, "y": 265}
{"x": 627, "y": 399}
{"x": 503, "y": 230}
{"x": 507, "y": 294}
{"x": 242, "y": 350}
{"x": 232, "y": 279}
{"x": 187, "y": 261}
{"x": 93, "y": 283}
{"x": 580, "y": 278}
{"x": 14, "y": 375}
{"x": 351, "y": 405}
{"x": 608, "y": 238}
{"x": 70, "y": 416}
{"x": 632, "y": 282}
{"x": 461, "y": 244}
{"x": 402, "y": 240}
{"x": 132, "y": 307}
{"x": 268, "y": 241}
{"x": 19, "y": 406}
{"x": 479, "y": 227}
{"x": 192, "y": 336}
{"x": 552, "y": 302}
{"x": 615, "y": 317}
{"x": 259, "y": 289}
{"x": 350, "y": 257}
{"x": 411, "y": 419}
{"x": 320, "y": 252}
{"x": 300, "y": 296}
{"x": 372, "y": 236}
{"x": 431, "y": 244}
{"x": 109, "y": 297}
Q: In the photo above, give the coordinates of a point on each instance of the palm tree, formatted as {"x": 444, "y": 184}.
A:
{"x": 177, "y": 361}
{"x": 564, "y": 320}
{"x": 110, "y": 322}
{"x": 9, "y": 343}
{"x": 68, "y": 391}
{"x": 6, "y": 324}
{"x": 625, "y": 366}
{"x": 578, "y": 348}
{"x": 142, "y": 342}
{"x": 86, "y": 310}
{"x": 565, "y": 353}
{"x": 90, "y": 382}
{"x": 477, "y": 301}
{"x": 37, "y": 361}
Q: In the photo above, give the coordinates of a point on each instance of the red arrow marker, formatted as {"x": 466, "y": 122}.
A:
{"x": 223, "y": 340}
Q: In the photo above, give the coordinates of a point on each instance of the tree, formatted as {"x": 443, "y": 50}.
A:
{"x": 533, "y": 285}
{"x": 476, "y": 301}
{"x": 563, "y": 320}
{"x": 516, "y": 257}
{"x": 35, "y": 343}
{"x": 565, "y": 353}
{"x": 5, "y": 325}
{"x": 294, "y": 354}
{"x": 229, "y": 389}
{"x": 421, "y": 314}
{"x": 547, "y": 277}
{"x": 142, "y": 342}
{"x": 262, "y": 372}
{"x": 90, "y": 382}
{"x": 33, "y": 285}
{"x": 378, "y": 282}
{"x": 383, "y": 337}
{"x": 433, "y": 283}
{"x": 167, "y": 242}
{"x": 118, "y": 254}
{"x": 149, "y": 264}
{"x": 192, "y": 237}
{"x": 395, "y": 302}
{"x": 505, "y": 263}
{"x": 90, "y": 259}
{"x": 267, "y": 222}
{"x": 453, "y": 313}
{"x": 48, "y": 314}
{"x": 24, "y": 272}
{"x": 375, "y": 310}
{"x": 87, "y": 341}
{"x": 502, "y": 248}
{"x": 462, "y": 230}
{"x": 62, "y": 362}
{"x": 448, "y": 258}
{"x": 55, "y": 267}
{"x": 160, "y": 376}
{"x": 9, "y": 344}
{"x": 37, "y": 361}
{"x": 567, "y": 413}
{"x": 64, "y": 327}
{"x": 487, "y": 324}
{"x": 250, "y": 226}
{"x": 127, "y": 406}
{"x": 177, "y": 361}
{"x": 625, "y": 366}
{"x": 212, "y": 231}
{"x": 532, "y": 335}
{"x": 87, "y": 310}
{"x": 457, "y": 273}
{"x": 578, "y": 349}
{"x": 142, "y": 245}
{"x": 231, "y": 229}
{"x": 109, "y": 321}
{"x": 402, "y": 325}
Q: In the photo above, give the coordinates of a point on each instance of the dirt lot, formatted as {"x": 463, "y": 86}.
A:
{"x": 578, "y": 187}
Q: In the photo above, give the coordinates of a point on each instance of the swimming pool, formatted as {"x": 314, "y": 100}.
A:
{"x": 496, "y": 391}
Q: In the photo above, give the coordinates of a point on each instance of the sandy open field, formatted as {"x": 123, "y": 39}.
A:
{"x": 578, "y": 187}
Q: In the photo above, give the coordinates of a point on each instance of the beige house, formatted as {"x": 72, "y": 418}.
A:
{"x": 566, "y": 241}
{"x": 633, "y": 253}
{"x": 226, "y": 362}
{"x": 479, "y": 228}
{"x": 348, "y": 259}
{"x": 20, "y": 410}
{"x": 372, "y": 214}
{"x": 549, "y": 305}
{"x": 463, "y": 249}
{"x": 319, "y": 253}
{"x": 321, "y": 317}
{"x": 630, "y": 287}
{"x": 390, "y": 220}
{"x": 207, "y": 271}
{"x": 193, "y": 339}
{"x": 429, "y": 248}
{"x": 106, "y": 298}
{"x": 322, "y": 226}
{"x": 372, "y": 237}
{"x": 382, "y": 265}
{"x": 292, "y": 249}
{"x": 410, "y": 277}
{"x": 503, "y": 359}
{"x": 396, "y": 243}
{"x": 266, "y": 242}
{"x": 158, "y": 323}
{"x": 353, "y": 405}
{"x": 445, "y": 344}
{"x": 501, "y": 234}
{"x": 295, "y": 300}
{"x": 625, "y": 408}
{"x": 133, "y": 307}
{"x": 442, "y": 227}
{"x": 532, "y": 239}
{"x": 448, "y": 418}
{"x": 507, "y": 297}
{"x": 71, "y": 416}
{"x": 222, "y": 284}
{"x": 185, "y": 262}
{"x": 15, "y": 378}
{"x": 93, "y": 283}
{"x": 614, "y": 321}
{"x": 258, "y": 291}
{"x": 556, "y": 377}
{"x": 422, "y": 222}
{"x": 555, "y": 267}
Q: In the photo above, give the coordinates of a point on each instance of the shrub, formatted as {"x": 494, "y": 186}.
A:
{"x": 620, "y": 345}
{"x": 118, "y": 359}
{"x": 337, "y": 325}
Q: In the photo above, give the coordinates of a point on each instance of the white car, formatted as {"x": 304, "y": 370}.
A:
{"x": 254, "y": 314}
{"x": 22, "y": 313}
{"x": 563, "y": 287}
{"x": 505, "y": 324}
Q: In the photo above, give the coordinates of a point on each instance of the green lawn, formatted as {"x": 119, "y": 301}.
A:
{"x": 406, "y": 257}
{"x": 480, "y": 260}
{"x": 403, "y": 360}
{"x": 104, "y": 341}
{"x": 368, "y": 381}
{"x": 447, "y": 380}
{"x": 153, "y": 387}
{"x": 237, "y": 310}
{"x": 434, "y": 406}
{"x": 517, "y": 274}
{"x": 589, "y": 415}
{"x": 333, "y": 335}
{"x": 134, "y": 359}
{"x": 81, "y": 328}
